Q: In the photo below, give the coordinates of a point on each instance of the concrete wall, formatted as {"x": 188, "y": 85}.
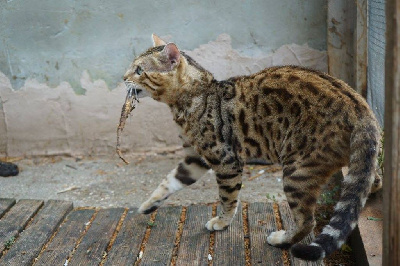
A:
{"x": 61, "y": 63}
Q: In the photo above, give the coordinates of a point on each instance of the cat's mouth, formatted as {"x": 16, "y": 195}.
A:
{"x": 135, "y": 90}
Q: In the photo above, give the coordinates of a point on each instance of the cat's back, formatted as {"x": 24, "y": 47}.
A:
{"x": 298, "y": 91}
{"x": 281, "y": 110}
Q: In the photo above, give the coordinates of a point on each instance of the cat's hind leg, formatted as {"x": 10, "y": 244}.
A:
{"x": 302, "y": 187}
{"x": 188, "y": 171}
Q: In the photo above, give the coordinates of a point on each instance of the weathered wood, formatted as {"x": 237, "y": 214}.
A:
{"x": 160, "y": 244}
{"x": 127, "y": 244}
{"x": 195, "y": 239}
{"x": 261, "y": 223}
{"x": 93, "y": 245}
{"x": 287, "y": 223}
{"x": 35, "y": 236}
{"x": 15, "y": 220}
{"x": 60, "y": 247}
{"x": 5, "y": 205}
{"x": 391, "y": 180}
{"x": 361, "y": 43}
{"x": 229, "y": 243}
{"x": 341, "y": 27}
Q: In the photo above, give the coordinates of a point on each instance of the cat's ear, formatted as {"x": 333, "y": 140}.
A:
{"x": 173, "y": 54}
{"x": 157, "y": 41}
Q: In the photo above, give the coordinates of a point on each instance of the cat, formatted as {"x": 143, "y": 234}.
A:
{"x": 311, "y": 123}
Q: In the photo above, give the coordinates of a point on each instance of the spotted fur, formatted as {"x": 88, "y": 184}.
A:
{"x": 311, "y": 123}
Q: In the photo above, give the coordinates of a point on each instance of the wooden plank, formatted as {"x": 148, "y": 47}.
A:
{"x": 127, "y": 244}
{"x": 195, "y": 239}
{"x": 93, "y": 245}
{"x": 287, "y": 223}
{"x": 261, "y": 223}
{"x": 391, "y": 179}
{"x": 15, "y": 220}
{"x": 61, "y": 246}
{"x": 229, "y": 243}
{"x": 36, "y": 235}
{"x": 5, "y": 205}
{"x": 160, "y": 244}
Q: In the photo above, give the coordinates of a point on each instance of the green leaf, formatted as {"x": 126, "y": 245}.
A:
{"x": 374, "y": 218}
{"x": 151, "y": 224}
{"x": 346, "y": 248}
{"x": 9, "y": 243}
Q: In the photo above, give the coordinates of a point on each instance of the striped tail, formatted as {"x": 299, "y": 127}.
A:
{"x": 356, "y": 186}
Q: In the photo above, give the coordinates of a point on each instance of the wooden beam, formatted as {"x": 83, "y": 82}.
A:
{"x": 391, "y": 180}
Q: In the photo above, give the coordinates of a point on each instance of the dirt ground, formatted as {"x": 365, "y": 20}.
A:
{"x": 108, "y": 182}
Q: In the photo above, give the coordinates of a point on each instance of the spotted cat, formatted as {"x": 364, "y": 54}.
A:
{"x": 309, "y": 122}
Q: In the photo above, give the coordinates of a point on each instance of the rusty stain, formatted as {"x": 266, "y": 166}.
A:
{"x": 334, "y": 30}
{"x": 335, "y": 22}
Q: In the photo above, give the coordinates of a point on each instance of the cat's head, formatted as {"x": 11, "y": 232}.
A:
{"x": 161, "y": 72}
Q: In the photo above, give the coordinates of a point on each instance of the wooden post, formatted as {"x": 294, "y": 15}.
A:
{"x": 341, "y": 26}
{"x": 391, "y": 180}
{"x": 347, "y": 42}
{"x": 361, "y": 48}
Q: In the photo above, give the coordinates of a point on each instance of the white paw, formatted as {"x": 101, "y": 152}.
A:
{"x": 277, "y": 238}
{"x": 148, "y": 207}
{"x": 216, "y": 224}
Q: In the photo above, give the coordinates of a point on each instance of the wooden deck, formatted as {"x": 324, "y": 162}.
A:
{"x": 53, "y": 233}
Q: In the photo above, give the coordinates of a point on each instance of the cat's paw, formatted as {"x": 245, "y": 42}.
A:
{"x": 148, "y": 207}
{"x": 278, "y": 239}
{"x": 216, "y": 223}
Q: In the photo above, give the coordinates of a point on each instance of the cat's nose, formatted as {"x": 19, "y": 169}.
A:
{"x": 126, "y": 75}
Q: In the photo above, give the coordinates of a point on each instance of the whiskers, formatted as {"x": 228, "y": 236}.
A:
{"x": 132, "y": 91}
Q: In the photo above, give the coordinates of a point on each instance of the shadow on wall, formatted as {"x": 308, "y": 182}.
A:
{"x": 39, "y": 120}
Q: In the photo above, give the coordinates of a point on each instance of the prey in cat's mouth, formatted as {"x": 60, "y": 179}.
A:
{"x": 134, "y": 90}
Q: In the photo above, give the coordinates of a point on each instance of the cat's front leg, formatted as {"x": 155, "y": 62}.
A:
{"x": 229, "y": 188}
{"x": 188, "y": 171}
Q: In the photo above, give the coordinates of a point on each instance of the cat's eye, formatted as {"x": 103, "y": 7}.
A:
{"x": 139, "y": 70}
